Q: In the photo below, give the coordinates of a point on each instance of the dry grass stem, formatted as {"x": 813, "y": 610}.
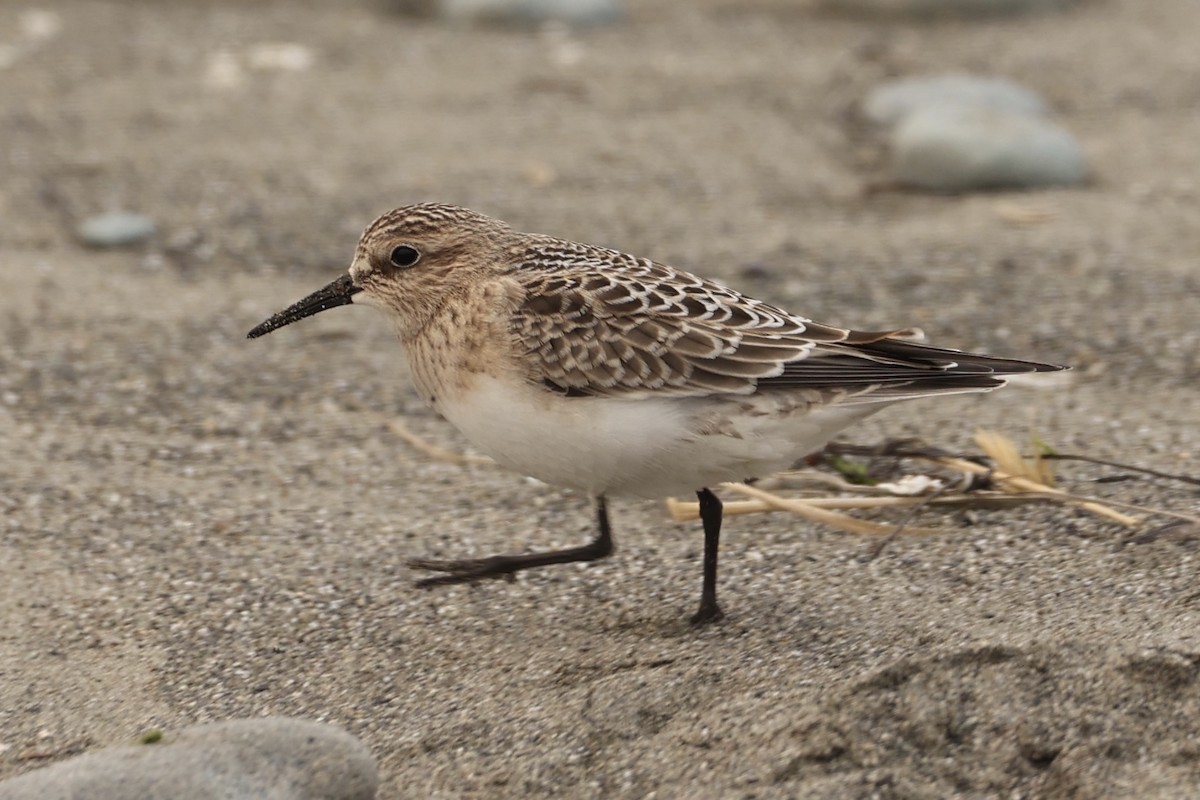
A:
{"x": 1003, "y": 451}
{"x": 689, "y": 510}
{"x": 397, "y": 427}
{"x": 825, "y": 515}
{"x": 1016, "y": 480}
{"x": 1017, "y": 483}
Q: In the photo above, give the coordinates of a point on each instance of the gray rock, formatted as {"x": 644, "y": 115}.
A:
{"x": 957, "y": 149}
{"x": 890, "y": 102}
{"x": 532, "y": 12}
{"x": 116, "y": 229}
{"x": 937, "y": 8}
{"x": 274, "y": 758}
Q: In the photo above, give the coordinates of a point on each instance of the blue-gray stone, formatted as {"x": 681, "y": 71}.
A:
{"x": 274, "y": 758}
{"x": 116, "y": 229}
{"x": 957, "y": 149}
{"x": 938, "y": 8}
{"x": 579, "y": 13}
{"x": 891, "y": 102}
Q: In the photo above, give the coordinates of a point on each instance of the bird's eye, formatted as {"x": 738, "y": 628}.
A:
{"x": 404, "y": 256}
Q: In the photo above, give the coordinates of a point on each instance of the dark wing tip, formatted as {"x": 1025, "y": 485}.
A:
{"x": 963, "y": 361}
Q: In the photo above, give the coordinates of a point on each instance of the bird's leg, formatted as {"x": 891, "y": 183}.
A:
{"x": 710, "y": 514}
{"x": 474, "y": 569}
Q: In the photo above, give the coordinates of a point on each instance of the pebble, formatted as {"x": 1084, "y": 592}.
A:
{"x": 35, "y": 28}
{"x": 272, "y": 757}
{"x": 890, "y": 102}
{"x": 39, "y": 24}
{"x": 580, "y": 13}
{"x": 956, "y": 148}
{"x": 938, "y": 8}
{"x": 281, "y": 57}
{"x": 116, "y": 229}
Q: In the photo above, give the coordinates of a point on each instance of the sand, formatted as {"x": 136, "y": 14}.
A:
{"x": 199, "y": 527}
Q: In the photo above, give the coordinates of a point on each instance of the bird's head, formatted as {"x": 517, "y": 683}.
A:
{"x": 408, "y": 263}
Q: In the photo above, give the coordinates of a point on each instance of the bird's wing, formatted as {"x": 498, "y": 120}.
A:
{"x": 595, "y": 322}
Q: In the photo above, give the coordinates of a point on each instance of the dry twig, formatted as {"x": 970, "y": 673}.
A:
{"x": 432, "y": 450}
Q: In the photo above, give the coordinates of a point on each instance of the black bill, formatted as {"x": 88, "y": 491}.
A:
{"x": 339, "y": 293}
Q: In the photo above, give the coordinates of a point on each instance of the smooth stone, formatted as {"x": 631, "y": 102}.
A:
{"x": 938, "y": 8}
{"x": 116, "y": 229}
{"x": 274, "y": 758}
{"x": 890, "y": 102}
{"x": 582, "y": 13}
{"x": 956, "y": 149}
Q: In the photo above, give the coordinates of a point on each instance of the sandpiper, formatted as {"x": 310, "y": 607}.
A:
{"x": 612, "y": 374}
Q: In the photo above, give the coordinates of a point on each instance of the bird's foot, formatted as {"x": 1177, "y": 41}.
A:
{"x": 709, "y": 613}
{"x": 468, "y": 570}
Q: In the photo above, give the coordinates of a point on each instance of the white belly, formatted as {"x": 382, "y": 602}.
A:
{"x": 644, "y": 447}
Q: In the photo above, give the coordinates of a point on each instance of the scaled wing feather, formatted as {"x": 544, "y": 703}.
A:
{"x": 596, "y": 322}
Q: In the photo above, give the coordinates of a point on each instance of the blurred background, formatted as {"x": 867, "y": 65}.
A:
{"x": 197, "y": 527}
{"x": 726, "y": 136}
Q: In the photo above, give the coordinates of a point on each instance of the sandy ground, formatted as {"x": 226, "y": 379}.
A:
{"x": 197, "y": 527}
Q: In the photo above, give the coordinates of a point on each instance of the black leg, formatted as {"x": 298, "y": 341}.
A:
{"x": 710, "y": 514}
{"x": 474, "y": 569}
